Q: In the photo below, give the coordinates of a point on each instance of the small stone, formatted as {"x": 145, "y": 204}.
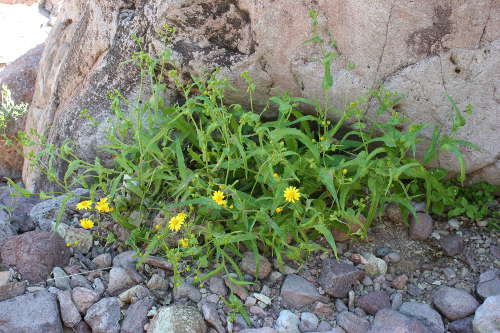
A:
{"x": 374, "y": 301}
{"x": 217, "y": 286}
{"x": 134, "y": 294}
{"x": 99, "y": 287}
{"x": 421, "y": 227}
{"x": 338, "y": 278}
{"x": 84, "y": 298}
{"x": 393, "y": 257}
{"x": 340, "y": 305}
{"x": 449, "y": 273}
{"x": 263, "y": 298}
{"x": 489, "y": 284}
{"x": 158, "y": 262}
{"x": 187, "y": 290}
{"x": 157, "y": 282}
{"x": 382, "y": 251}
{"x": 12, "y": 289}
{"x": 211, "y": 315}
{"x": 103, "y": 260}
{"x": 487, "y": 316}
{"x": 322, "y": 309}
{"x": 393, "y": 212}
{"x": 390, "y": 321}
{"x": 425, "y": 314}
{"x": 61, "y": 279}
{"x": 397, "y": 300}
{"x": 350, "y": 303}
{"x": 495, "y": 251}
{"x": 367, "y": 281}
{"x": 400, "y": 282}
{"x": 250, "y": 301}
{"x": 259, "y": 330}
{"x": 452, "y": 245}
{"x": 80, "y": 281}
{"x": 249, "y": 265}
{"x": 119, "y": 280}
{"x": 454, "y": 224}
{"x": 462, "y": 325}
{"x": 275, "y": 276}
{"x": 103, "y": 316}
{"x": 454, "y": 303}
{"x": 69, "y": 313}
{"x": 374, "y": 266}
{"x": 325, "y": 326}
{"x": 298, "y": 292}
{"x": 352, "y": 323}
{"x": 287, "y": 322}
{"x": 177, "y": 319}
{"x": 127, "y": 261}
{"x": 257, "y": 310}
{"x": 308, "y": 322}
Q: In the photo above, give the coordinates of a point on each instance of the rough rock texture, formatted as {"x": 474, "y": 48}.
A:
{"x": 136, "y": 316}
{"x": 422, "y": 49}
{"x": 487, "y": 317}
{"x": 337, "y": 278}
{"x": 178, "y": 319}
{"x": 298, "y": 292}
{"x": 425, "y": 314}
{"x": 35, "y": 253}
{"x": 454, "y": 303}
{"x": 35, "y": 312}
{"x": 390, "y": 321}
{"x": 103, "y": 316}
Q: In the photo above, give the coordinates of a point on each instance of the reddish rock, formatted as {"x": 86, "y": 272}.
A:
{"x": 336, "y": 278}
{"x": 420, "y": 227}
{"x": 35, "y": 254}
{"x": 374, "y": 301}
{"x": 249, "y": 265}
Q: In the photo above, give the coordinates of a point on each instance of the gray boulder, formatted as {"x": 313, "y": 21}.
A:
{"x": 298, "y": 292}
{"x": 454, "y": 303}
{"x": 338, "y": 278}
{"x": 487, "y": 317}
{"x": 35, "y": 312}
{"x": 103, "y": 316}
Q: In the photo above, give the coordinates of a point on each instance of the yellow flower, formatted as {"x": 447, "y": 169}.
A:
{"x": 68, "y": 244}
{"x": 103, "y": 205}
{"x": 84, "y": 205}
{"x": 344, "y": 171}
{"x": 87, "y": 223}
{"x": 157, "y": 226}
{"x": 222, "y": 187}
{"x": 275, "y": 175}
{"x": 291, "y": 194}
{"x": 218, "y": 197}
{"x": 279, "y": 210}
{"x": 177, "y": 221}
{"x": 322, "y": 138}
{"x": 183, "y": 242}
{"x": 231, "y": 207}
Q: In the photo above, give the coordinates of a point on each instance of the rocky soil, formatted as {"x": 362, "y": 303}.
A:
{"x": 433, "y": 276}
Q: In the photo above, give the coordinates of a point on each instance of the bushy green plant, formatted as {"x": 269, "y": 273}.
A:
{"x": 206, "y": 179}
{"x": 213, "y": 176}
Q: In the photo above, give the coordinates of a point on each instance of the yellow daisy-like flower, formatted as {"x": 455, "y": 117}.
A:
{"x": 87, "y": 223}
{"x": 103, "y": 206}
{"x": 177, "y": 221}
{"x": 84, "y": 205}
{"x": 183, "y": 242}
{"x": 278, "y": 210}
{"x": 218, "y": 197}
{"x": 291, "y": 194}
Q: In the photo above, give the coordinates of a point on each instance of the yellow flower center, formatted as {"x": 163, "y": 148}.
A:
{"x": 218, "y": 197}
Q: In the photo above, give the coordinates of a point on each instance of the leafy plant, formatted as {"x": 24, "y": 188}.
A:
{"x": 207, "y": 180}
{"x": 9, "y": 110}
